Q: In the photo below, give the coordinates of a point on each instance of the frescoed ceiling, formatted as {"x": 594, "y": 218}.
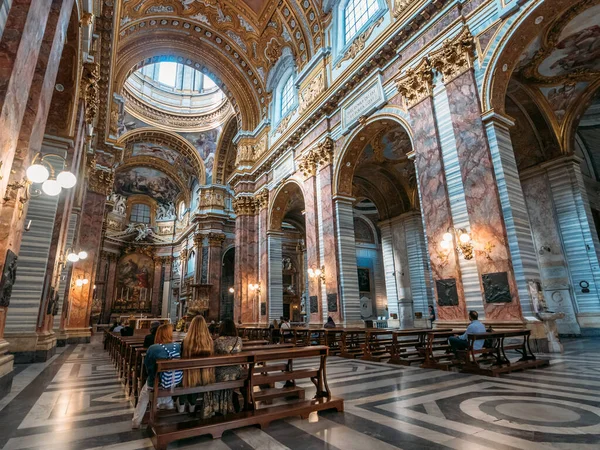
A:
{"x": 146, "y": 181}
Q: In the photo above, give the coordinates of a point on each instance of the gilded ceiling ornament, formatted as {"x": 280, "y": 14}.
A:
{"x": 100, "y": 181}
{"x": 244, "y": 155}
{"x": 359, "y": 43}
{"x": 416, "y": 84}
{"x": 307, "y": 165}
{"x": 455, "y": 57}
{"x": 216, "y": 239}
{"x": 273, "y": 50}
{"x": 401, "y": 5}
{"x": 90, "y": 91}
{"x": 323, "y": 152}
{"x": 283, "y": 124}
{"x": 87, "y": 19}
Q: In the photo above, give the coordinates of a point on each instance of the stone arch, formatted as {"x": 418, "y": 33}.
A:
{"x": 225, "y": 153}
{"x": 281, "y": 200}
{"x": 151, "y": 48}
{"x": 171, "y": 139}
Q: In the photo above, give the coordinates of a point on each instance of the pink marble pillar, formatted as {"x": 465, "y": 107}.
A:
{"x": 312, "y": 248}
{"x": 263, "y": 255}
{"x": 79, "y": 301}
{"x": 215, "y": 266}
{"x": 240, "y": 276}
{"x": 435, "y": 207}
{"x": 488, "y": 231}
{"x": 251, "y": 310}
{"x": 331, "y": 303}
{"x": 156, "y": 287}
{"x": 110, "y": 287}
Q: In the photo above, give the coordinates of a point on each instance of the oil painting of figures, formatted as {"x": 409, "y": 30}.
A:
{"x": 135, "y": 272}
{"x": 143, "y": 180}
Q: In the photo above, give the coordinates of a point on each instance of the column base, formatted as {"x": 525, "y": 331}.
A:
{"x": 6, "y": 369}
{"x": 589, "y": 323}
{"x": 31, "y": 347}
{"x": 74, "y": 336}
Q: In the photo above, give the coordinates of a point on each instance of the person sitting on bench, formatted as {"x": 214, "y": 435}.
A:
{"x": 461, "y": 342}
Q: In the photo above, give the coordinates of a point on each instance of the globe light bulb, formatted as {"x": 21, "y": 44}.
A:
{"x": 231, "y": 290}
{"x": 51, "y": 188}
{"x": 66, "y": 179}
{"x": 73, "y": 257}
{"x": 447, "y": 236}
{"x": 82, "y": 254}
{"x": 445, "y": 245}
{"x": 464, "y": 238}
{"x": 85, "y": 281}
{"x": 79, "y": 283}
{"x": 37, "y": 173}
{"x": 318, "y": 272}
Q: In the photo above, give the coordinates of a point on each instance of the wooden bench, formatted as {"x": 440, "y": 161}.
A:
{"x": 333, "y": 340}
{"x": 257, "y": 410}
{"x": 437, "y": 354}
{"x": 492, "y": 360}
{"x": 352, "y": 343}
{"x": 408, "y": 346}
{"x": 377, "y": 344}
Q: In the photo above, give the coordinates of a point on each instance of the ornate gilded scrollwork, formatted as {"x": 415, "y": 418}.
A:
{"x": 90, "y": 91}
{"x": 244, "y": 205}
{"x": 416, "y": 84}
{"x": 262, "y": 198}
{"x": 359, "y": 43}
{"x": 455, "y": 57}
{"x": 311, "y": 92}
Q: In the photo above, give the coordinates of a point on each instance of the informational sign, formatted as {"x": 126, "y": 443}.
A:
{"x": 363, "y": 103}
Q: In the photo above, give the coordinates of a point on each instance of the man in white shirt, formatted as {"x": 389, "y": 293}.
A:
{"x": 462, "y": 342}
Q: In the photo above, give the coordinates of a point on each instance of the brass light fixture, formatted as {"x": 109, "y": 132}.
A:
{"x": 317, "y": 273}
{"x": 463, "y": 242}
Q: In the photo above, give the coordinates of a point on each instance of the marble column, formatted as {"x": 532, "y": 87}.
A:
{"x": 246, "y": 306}
{"x": 346, "y": 251}
{"x": 488, "y": 232}
{"x": 262, "y": 199}
{"x": 79, "y": 301}
{"x": 518, "y": 229}
{"x": 275, "y": 275}
{"x": 165, "y": 288}
{"x": 574, "y": 217}
{"x": 215, "y": 266}
{"x": 333, "y": 287}
{"x": 389, "y": 267}
{"x": 156, "y": 284}
{"x": 312, "y": 251}
{"x": 110, "y": 288}
{"x": 416, "y": 88}
{"x": 198, "y": 244}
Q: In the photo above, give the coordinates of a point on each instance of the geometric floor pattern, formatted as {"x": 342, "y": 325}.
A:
{"x": 75, "y": 402}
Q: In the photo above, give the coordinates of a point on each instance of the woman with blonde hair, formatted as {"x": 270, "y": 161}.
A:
{"x": 197, "y": 344}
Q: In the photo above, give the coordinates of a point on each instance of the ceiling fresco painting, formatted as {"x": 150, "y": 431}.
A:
{"x": 158, "y": 151}
{"x": 205, "y": 142}
{"x": 146, "y": 181}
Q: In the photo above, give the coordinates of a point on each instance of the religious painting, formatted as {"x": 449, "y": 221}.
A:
{"x": 135, "y": 271}
{"x": 496, "y": 288}
{"x": 9, "y": 276}
{"x": 143, "y": 180}
{"x": 156, "y": 150}
{"x": 561, "y": 97}
{"x": 364, "y": 280}
{"x": 205, "y": 143}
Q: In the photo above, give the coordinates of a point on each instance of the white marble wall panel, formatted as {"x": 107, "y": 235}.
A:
{"x": 275, "y": 276}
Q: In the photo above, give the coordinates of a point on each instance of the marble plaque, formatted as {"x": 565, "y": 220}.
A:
{"x": 368, "y": 99}
{"x": 314, "y": 304}
{"x": 496, "y": 288}
{"x": 332, "y": 302}
{"x": 283, "y": 167}
{"x": 263, "y": 309}
{"x": 447, "y": 292}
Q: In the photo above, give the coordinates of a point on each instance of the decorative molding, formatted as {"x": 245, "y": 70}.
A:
{"x": 455, "y": 57}
{"x": 283, "y": 124}
{"x": 216, "y": 239}
{"x": 212, "y": 198}
{"x": 416, "y": 84}
{"x": 308, "y": 165}
{"x": 309, "y": 94}
{"x": 244, "y": 205}
{"x": 359, "y": 43}
{"x": 400, "y": 6}
{"x": 262, "y": 198}
{"x": 90, "y": 91}
{"x": 100, "y": 180}
{"x": 323, "y": 152}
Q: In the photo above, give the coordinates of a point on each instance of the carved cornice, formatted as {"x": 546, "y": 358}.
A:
{"x": 262, "y": 198}
{"x": 455, "y": 57}
{"x": 216, "y": 239}
{"x": 212, "y": 198}
{"x": 283, "y": 124}
{"x": 244, "y": 205}
{"x": 310, "y": 93}
{"x": 100, "y": 180}
{"x": 359, "y": 43}
{"x": 416, "y": 84}
{"x": 166, "y": 260}
{"x": 198, "y": 239}
{"x": 400, "y": 6}
{"x": 183, "y": 254}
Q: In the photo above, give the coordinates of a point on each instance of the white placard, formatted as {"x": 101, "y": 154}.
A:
{"x": 370, "y": 98}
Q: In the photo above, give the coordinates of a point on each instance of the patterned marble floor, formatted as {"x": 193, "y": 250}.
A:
{"x": 75, "y": 402}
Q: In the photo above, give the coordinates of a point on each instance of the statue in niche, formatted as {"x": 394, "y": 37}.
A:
{"x": 287, "y": 264}
{"x": 120, "y": 204}
{"x": 166, "y": 211}
{"x": 9, "y": 276}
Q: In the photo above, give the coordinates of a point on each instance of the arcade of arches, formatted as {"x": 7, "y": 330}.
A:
{"x": 258, "y": 159}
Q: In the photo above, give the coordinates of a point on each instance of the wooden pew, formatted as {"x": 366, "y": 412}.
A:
{"x": 352, "y": 344}
{"x": 408, "y": 346}
{"x": 333, "y": 340}
{"x": 493, "y": 361}
{"x": 437, "y": 350}
{"x": 165, "y": 429}
{"x": 377, "y": 344}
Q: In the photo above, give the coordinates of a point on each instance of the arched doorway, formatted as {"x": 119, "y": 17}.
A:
{"x": 288, "y": 284}
{"x": 393, "y": 277}
{"x": 227, "y": 285}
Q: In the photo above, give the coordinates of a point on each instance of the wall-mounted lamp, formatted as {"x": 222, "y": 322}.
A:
{"x": 463, "y": 245}
{"x": 81, "y": 281}
{"x": 317, "y": 273}
{"x": 254, "y": 287}
{"x": 73, "y": 256}
{"x": 231, "y": 290}
{"x": 41, "y": 171}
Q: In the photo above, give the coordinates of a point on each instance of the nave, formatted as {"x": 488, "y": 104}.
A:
{"x": 74, "y": 401}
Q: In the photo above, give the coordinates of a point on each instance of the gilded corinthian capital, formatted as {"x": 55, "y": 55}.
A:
{"x": 455, "y": 56}
{"x": 416, "y": 84}
{"x": 244, "y": 205}
{"x": 262, "y": 198}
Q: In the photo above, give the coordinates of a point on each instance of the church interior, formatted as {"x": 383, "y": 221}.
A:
{"x": 299, "y": 224}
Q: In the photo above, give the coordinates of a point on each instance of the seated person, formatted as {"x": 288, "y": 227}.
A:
{"x": 149, "y": 339}
{"x": 461, "y": 342}
{"x": 127, "y": 330}
{"x": 227, "y": 343}
{"x": 330, "y": 323}
{"x": 113, "y": 326}
{"x": 119, "y": 327}
{"x": 163, "y": 348}
{"x": 431, "y": 315}
{"x": 197, "y": 344}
